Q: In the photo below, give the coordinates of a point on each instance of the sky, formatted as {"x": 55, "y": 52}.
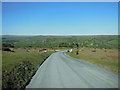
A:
{"x": 59, "y": 18}
{"x": 60, "y": 0}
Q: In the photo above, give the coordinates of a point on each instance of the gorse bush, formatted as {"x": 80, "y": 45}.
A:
{"x": 19, "y": 76}
{"x": 17, "y": 73}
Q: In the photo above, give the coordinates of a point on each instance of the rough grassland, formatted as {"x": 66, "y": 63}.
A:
{"x": 19, "y": 66}
{"x": 104, "y": 58}
{"x": 0, "y": 70}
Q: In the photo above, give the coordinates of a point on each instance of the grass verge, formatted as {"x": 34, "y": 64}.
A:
{"x": 104, "y": 58}
{"x": 18, "y": 67}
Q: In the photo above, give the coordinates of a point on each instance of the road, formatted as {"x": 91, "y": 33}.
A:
{"x": 62, "y": 71}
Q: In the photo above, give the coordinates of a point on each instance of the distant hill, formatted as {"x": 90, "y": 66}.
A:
{"x": 49, "y": 41}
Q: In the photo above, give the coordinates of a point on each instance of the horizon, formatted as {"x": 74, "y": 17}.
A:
{"x": 63, "y": 35}
{"x": 60, "y": 18}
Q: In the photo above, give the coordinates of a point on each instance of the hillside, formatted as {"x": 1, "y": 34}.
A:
{"x": 96, "y": 41}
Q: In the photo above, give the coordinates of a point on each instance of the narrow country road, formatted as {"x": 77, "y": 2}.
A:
{"x": 62, "y": 71}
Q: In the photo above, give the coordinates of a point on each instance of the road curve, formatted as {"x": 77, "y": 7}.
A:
{"x": 62, "y": 71}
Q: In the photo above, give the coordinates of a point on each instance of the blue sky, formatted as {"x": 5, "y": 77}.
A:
{"x": 60, "y": 18}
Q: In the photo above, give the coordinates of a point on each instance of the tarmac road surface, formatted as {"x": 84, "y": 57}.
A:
{"x": 62, "y": 71}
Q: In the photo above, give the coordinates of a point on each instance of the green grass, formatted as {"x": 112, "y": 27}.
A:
{"x": 0, "y": 69}
{"x": 107, "y": 59}
{"x": 99, "y": 41}
{"x": 19, "y": 66}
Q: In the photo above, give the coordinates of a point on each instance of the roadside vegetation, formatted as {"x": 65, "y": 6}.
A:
{"x": 0, "y": 69}
{"x": 22, "y": 55}
{"x": 18, "y": 67}
{"x": 106, "y": 58}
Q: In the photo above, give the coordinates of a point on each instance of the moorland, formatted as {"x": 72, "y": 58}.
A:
{"x": 22, "y": 55}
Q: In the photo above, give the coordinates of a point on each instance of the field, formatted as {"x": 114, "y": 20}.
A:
{"x": 100, "y": 41}
{"x": 18, "y": 67}
{"x": 106, "y": 58}
{"x": 0, "y": 69}
{"x": 22, "y": 55}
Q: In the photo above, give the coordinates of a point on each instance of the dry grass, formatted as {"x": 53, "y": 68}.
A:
{"x": 104, "y": 58}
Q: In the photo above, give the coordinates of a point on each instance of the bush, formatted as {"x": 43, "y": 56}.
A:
{"x": 19, "y": 76}
{"x": 7, "y": 49}
{"x": 77, "y": 52}
{"x": 19, "y": 67}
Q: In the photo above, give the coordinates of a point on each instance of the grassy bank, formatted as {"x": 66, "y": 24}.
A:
{"x": 20, "y": 66}
{"x": 106, "y": 58}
